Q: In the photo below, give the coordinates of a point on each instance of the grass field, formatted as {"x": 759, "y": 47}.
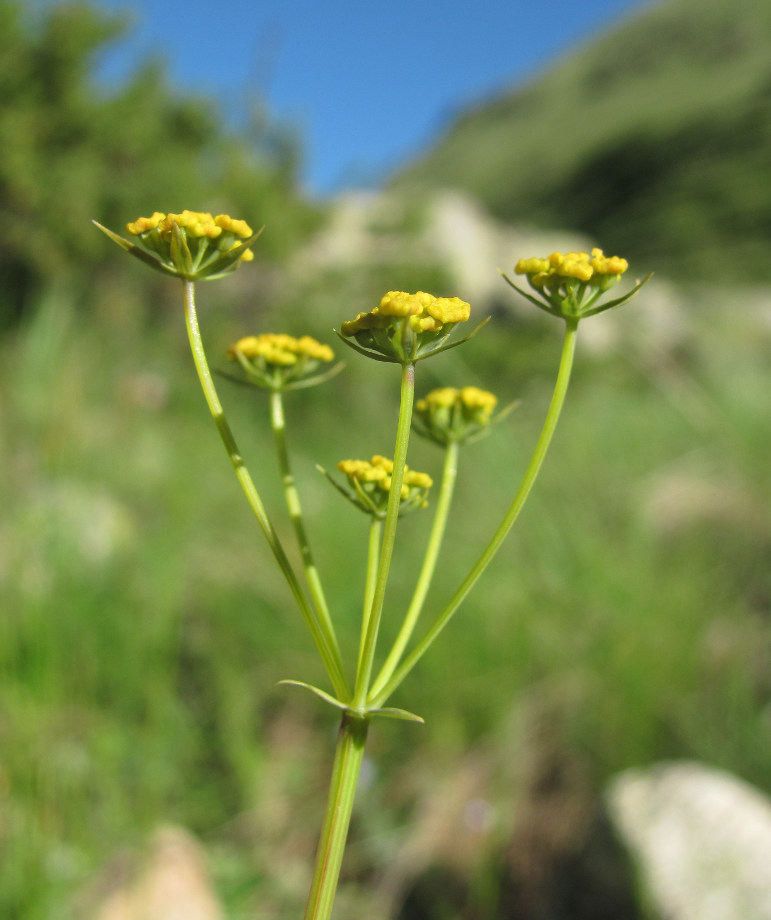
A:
{"x": 144, "y": 629}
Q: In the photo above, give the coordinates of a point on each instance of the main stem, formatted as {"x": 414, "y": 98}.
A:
{"x": 351, "y": 741}
{"x": 331, "y": 661}
{"x": 353, "y": 730}
{"x": 531, "y": 474}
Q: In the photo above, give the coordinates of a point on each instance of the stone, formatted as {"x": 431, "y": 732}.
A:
{"x": 170, "y": 881}
{"x": 701, "y": 839}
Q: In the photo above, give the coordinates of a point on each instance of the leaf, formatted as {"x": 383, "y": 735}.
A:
{"x": 364, "y": 351}
{"x": 134, "y": 250}
{"x": 225, "y": 263}
{"x": 327, "y": 697}
{"x": 533, "y": 300}
{"x": 600, "y": 308}
{"x": 441, "y": 348}
{"x": 316, "y": 378}
{"x": 403, "y": 714}
{"x": 180, "y": 252}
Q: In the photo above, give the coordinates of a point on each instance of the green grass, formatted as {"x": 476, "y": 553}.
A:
{"x": 143, "y": 628}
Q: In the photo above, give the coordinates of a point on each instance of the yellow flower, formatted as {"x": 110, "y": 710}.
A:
{"x": 448, "y": 414}
{"x": 570, "y": 284}
{"x": 558, "y": 267}
{"x": 278, "y": 361}
{"x": 405, "y": 327}
{"x": 193, "y": 245}
{"x": 371, "y": 484}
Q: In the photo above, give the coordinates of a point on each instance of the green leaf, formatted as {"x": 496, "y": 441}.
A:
{"x": 600, "y": 308}
{"x": 226, "y": 263}
{"x": 133, "y": 250}
{"x": 327, "y": 697}
{"x": 533, "y": 300}
{"x": 438, "y": 350}
{"x": 180, "y": 252}
{"x": 316, "y": 378}
{"x": 403, "y": 714}
{"x": 364, "y": 351}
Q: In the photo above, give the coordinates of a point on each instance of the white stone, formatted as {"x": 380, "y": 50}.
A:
{"x": 701, "y": 839}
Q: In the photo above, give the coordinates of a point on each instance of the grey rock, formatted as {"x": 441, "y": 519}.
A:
{"x": 701, "y": 838}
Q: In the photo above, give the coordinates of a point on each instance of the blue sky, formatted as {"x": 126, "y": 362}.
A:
{"x": 366, "y": 85}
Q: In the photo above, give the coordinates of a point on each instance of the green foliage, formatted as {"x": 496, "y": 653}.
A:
{"x": 144, "y": 629}
{"x": 73, "y": 151}
{"x": 652, "y": 139}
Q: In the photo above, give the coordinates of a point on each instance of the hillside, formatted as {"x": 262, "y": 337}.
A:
{"x": 654, "y": 139}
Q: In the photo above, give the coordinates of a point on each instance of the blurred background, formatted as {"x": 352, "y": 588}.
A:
{"x": 143, "y": 630}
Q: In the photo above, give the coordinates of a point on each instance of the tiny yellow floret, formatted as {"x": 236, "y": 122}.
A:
{"x": 448, "y": 415}
{"x": 448, "y": 310}
{"x": 399, "y": 303}
{"x": 475, "y": 398}
{"x": 232, "y": 225}
{"x": 441, "y": 398}
{"x": 280, "y": 349}
{"x": 194, "y": 223}
{"x": 406, "y": 327}
{"x": 531, "y": 266}
{"x": 559, "y": 267}
{"x": 246, "y": 256}
{"x": 377, "y": 474}
{"x": 143, "y": 224}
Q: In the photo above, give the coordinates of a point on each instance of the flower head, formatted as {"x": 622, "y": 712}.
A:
{"x": 370, "y": 482}
{"x": 448, "y": 414}
{"x": 405, "y": 327}
{"x": 571, "y": 284}
{"x": 193, "y": 245}
{"x": 278, "y": 361}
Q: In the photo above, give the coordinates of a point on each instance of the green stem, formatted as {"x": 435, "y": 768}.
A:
{"x": 531, "y": 473}
{"x": 296, "y": 515}
{"x": 331, "y": 662}
{"x": 351, "y": 741}
{"x": 449, "y": 475}
{"x": 373, "y": 556}
{"x": 369, "y": 640}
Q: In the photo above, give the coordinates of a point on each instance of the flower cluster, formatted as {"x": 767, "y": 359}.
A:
{"x": 278, "y": 361}
{"x": 448, "y": 414}
{"x": 227, "y": 230}
{"x": 193, "y": 245}
{"x": 405, "y": 327}
{"x": 371, "y": 484}
{"x": 570, "y": 284}
{"x": 557, "y": 269}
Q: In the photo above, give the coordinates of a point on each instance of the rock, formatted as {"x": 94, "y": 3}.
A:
{"x": 168, "y": 882}
{"x": 701, "y": 839}
{"x": 444, "y": 229}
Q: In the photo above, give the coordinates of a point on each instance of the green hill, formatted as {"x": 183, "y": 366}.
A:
{"x": 654, "y": 139}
